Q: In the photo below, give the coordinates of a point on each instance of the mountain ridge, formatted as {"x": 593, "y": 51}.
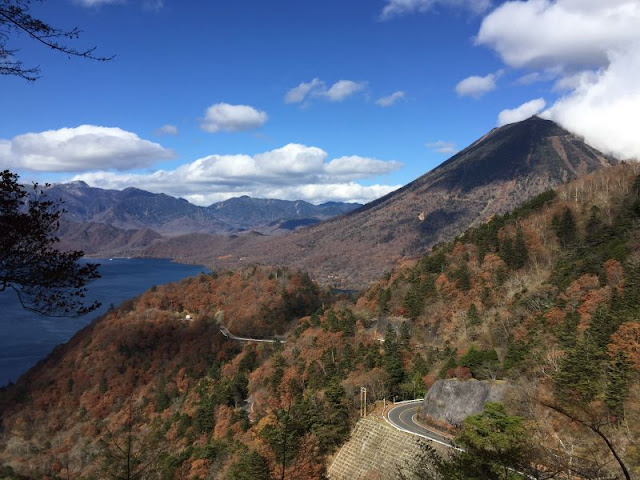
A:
{"x": 136, "y": 209}
{"x": 495, "y": 173}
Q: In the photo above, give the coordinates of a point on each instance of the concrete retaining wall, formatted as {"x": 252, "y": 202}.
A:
{"x": 375, "y": 452}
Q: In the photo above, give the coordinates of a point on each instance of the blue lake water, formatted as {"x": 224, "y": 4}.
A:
{"x": 26, "y": 337}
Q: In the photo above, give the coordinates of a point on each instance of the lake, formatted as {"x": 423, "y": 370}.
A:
{"x": 26, "y": 337}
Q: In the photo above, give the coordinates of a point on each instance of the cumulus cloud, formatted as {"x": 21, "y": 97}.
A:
{"x": 223, "y": 117}
{"x": 390, "y": 99}
{"x": 568, "y": 34}
{"x": 476, "y": 86}
{"x": 343, "y": 89}
{"x": 83, "y": 148}
{"x": 605, "y": 108}
{"x": 166, "y": 130}
{"x": 291, "y": 172}
{"x": 522, "y": 112}
{"x": 441, "y": 146}
{"x": 395, "y": 8}
{"x": 591, "y": 48}
{"x": 355, "y": 167}
{"x": 301, "y": 92}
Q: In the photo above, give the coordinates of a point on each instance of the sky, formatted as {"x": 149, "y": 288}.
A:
{"x": 320, "y": 101}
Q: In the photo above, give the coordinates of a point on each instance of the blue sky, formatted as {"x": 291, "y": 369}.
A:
{"x": 333, "y": 100}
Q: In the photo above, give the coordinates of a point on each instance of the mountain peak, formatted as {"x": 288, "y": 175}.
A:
{"x": 493, "y": 175}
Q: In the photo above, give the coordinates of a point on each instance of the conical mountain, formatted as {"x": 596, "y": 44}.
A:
{"x": 493, "y": 175}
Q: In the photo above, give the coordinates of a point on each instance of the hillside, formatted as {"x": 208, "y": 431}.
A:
{"x": 493, "y": 175}
{"x": 545, "y": 298}
{"x": 99, "y": 239}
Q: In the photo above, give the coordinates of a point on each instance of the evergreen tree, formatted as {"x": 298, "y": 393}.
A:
{"x": 506, "y": 251}
{"x": 393, "y": 360}
{"x": 593, "y": 229}
{"x": 405, "y": 335}
{"x": 567, "y": 332}
{"x": 578, "y": 379}
{"x": 250, "y": 466}
{"x": 473, "y": 318}
{"x": 617, "y": 390}
{"x": 462, "y": 278}
{"x": 520, "y": 254}
{"x": 565, "y": 228}
{"x": 492, "y": 446}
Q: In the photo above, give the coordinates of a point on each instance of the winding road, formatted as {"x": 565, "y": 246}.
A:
{"x": 403, "y": 417}
{"x": 230, "y": 335}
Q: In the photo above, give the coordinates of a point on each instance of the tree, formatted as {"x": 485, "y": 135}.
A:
{"x": 491, "y": 446}
{"x": 127, "y": 452}
{"x": 250, "y": 466}
{"x": 16, "y": 19}
{"x": 46, "y": 280}
{"x": 565, "y": 228}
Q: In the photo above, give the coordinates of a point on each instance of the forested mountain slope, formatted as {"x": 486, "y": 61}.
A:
{"x": 545, "y": 298}
{"x": 493, "y": 175}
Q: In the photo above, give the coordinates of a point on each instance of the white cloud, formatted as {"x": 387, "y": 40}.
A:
{"x": 476, "y": 86}
{"x": 343, "y": 89}
{"x": 291, "y": 172}
{"x": 522, "y": 112}
{"x": 571, "y": 82}
{"x": 395, "y": 8}
{"x": 97, "y": 3}
{"x": 591, "y": 48}
{"x": 605, "y": 108}
{"x": 83, "y": 148}
{"x": 301, "y": 92}
{"x": 572, "y": 34}
{"x": 232, "y": 118}
{"x": 390, "y": 99}
{"x": 146, "y": 4}
{"x": 355, "y": 167}
{"x": 166, "y": 130}
{"x": 529, "y": 78}
{"x": 316, "y": 88}
{"x": 441, "y": 146}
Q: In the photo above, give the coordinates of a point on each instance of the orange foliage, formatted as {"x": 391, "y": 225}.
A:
{"x": 593, "y": 300}
{"x": 554, "y": 316}
{"x": 615, "y": 275}
{"x": 627, "y": 340}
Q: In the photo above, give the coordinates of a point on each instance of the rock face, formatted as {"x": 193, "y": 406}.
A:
{"x": 375, "y": 452}
{"x": 453, "y": 400}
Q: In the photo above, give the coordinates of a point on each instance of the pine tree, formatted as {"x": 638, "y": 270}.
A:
{"x": 250, "y": 466}
{"x": 618, "y": 381}
{"x": 593, "y": 229}
{"x": 520, "y": 254}
{"x": 565, "y": 228}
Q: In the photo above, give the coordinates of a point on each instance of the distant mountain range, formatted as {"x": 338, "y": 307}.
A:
{"x": 134, "y": 209}
{"x": 493, "y": 175}
{"x": 108, "y": 222}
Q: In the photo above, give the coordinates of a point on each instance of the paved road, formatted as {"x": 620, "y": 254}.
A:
{"x": 230, "y": 335}
{"x": 403, "y": 417}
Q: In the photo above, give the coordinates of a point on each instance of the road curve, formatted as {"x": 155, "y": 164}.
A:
{"x": 230, "y": 335}
{"x": 403, "y": 417}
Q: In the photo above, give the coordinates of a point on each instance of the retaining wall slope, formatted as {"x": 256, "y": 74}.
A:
{"x": 374, "y": 452}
